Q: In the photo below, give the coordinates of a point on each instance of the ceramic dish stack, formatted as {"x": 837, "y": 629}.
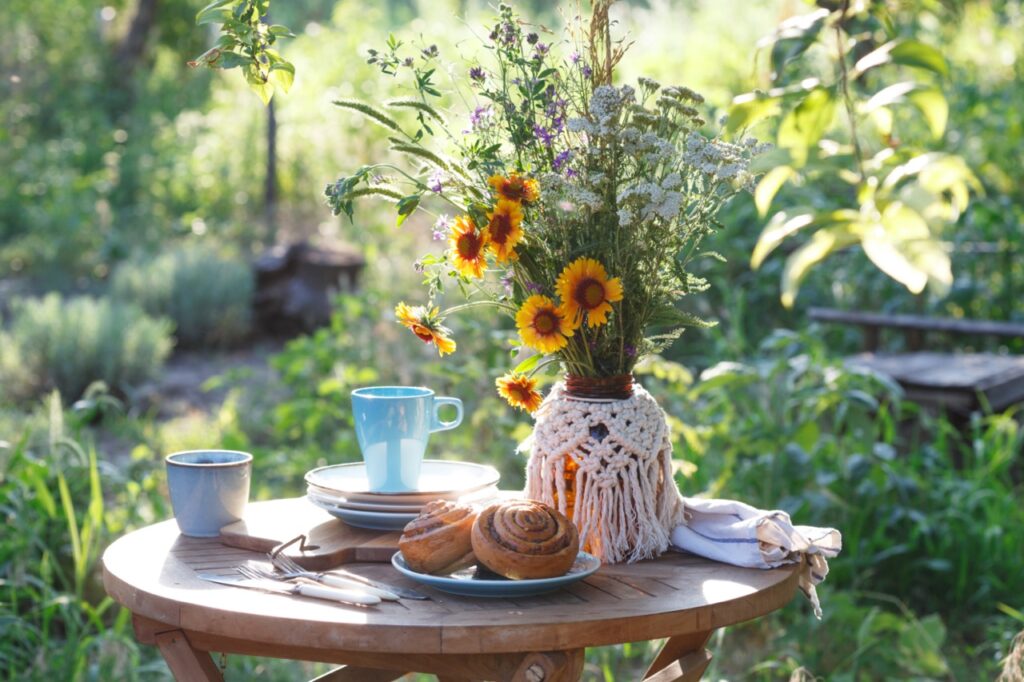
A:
{"x": 344, "y": 492}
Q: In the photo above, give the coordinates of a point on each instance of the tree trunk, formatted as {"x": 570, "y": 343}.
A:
{"x": 132, "y": 47}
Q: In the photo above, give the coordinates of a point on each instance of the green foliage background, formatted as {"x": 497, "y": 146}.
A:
{"x": 101, "y": 165}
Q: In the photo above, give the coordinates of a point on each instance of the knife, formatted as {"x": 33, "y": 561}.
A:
{"x": 304, "y": 589}
{"x": 403, "y": 592}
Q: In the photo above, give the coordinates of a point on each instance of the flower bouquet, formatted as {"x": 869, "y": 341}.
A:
{"x": 575, "y": 206}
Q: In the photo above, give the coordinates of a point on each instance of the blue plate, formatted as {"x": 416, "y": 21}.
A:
{"x": 471, "y": 582}
{"x": 365, "y": 519}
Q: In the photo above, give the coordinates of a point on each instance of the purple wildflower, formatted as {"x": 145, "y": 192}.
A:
{"x": 532, "y": 38}
{"x": 587, "y": 71}
{"x": 408, "y": 61}
{"x": 477, "y": 74}
{"x": 544, "y": 135}
{"x": 441, "y": 227}
{"x": 506, "y": 282}
{"x": 571, "y": 173}
{"x": 534, "y": 288}
{"x": 539, "y": 51}
{"x": 574, "y": 57}
{"x": 630, "y": 350}
{"x": 561, "y": 159}
{"x": 480, "y": 118}
{"x": 434, "y": 182}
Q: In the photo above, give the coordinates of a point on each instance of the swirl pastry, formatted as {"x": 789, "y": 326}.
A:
{"x": 524, "y": 539}
{"x": 438, "y": 540}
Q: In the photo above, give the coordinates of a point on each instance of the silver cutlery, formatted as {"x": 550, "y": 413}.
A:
{"x": 300, "y": 588}
{"x": 303, "y": 589}
{"x": 288, "y": 566}
{"x": 264, "y": 571}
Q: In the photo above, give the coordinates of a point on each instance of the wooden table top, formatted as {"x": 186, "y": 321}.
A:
{"x": 152, "y": 571}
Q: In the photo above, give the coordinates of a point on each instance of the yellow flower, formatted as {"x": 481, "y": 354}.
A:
{"x": 542, "y": 326}
{"x": 519, "y": 390}
{"x": 515, "y": 187}
{"x": 504, "y": 228}
{"x": 426, "y": 324}
{"x": 584, "y": 287}
{"x": 469, "y": 247}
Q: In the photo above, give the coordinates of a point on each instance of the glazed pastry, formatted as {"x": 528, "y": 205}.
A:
{"x": 524, "y": 539}
{"x": 438, "y": 540}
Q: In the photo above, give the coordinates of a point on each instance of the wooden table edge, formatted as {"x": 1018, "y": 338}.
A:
{"x": 455, "y": 639}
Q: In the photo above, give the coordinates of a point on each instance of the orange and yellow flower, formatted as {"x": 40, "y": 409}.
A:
{"x": 515, "y": 187}
{"x": 468, "y": 247}
{"x": 504, "y": 227}
{"x": 426, "y": 324}
{"x": 542, "y": 325}
{"x": 584, "y": 287}
{"x": 519, "y": 390}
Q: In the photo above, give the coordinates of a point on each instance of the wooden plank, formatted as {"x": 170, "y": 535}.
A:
{"x": 689, "y": 668}
{"x": 336, "y": 542}
{"x": 186, "y": 664}
{"x": 349, "y": 673}
{"x": 918, "y": 322}
{"x": 677, "y": 647}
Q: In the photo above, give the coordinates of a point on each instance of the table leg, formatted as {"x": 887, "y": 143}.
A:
{"x": 185, "y": 662}
{"x": 682, "y": 659}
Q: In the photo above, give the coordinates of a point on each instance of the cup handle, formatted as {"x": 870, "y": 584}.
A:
{"x": 439, "y": 425}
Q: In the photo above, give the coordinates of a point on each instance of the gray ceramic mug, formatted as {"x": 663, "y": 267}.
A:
{"x": 209, "y": 489}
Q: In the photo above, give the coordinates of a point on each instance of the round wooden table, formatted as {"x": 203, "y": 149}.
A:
{"x": 153, "y": 572}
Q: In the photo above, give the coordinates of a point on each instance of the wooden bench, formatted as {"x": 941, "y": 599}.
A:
{"x": 959, "y": 383}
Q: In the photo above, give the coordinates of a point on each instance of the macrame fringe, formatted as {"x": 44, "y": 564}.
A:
{"x": 626, "y": 502}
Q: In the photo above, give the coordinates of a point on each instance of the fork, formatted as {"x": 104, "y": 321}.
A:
{"x": 339, "y": 576}
{"x": 310, "y": 590}
{"x": 296, "y": 571}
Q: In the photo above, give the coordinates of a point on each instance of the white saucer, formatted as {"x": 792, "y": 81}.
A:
{"x": 439, "y": 480}
{"x": 328, "y": 499}
{"x": 367, "y": 519}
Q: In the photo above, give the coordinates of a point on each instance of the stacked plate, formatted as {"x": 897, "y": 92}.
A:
{"x": 344, "y": 492}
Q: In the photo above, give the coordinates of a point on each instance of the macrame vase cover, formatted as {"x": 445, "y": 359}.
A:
{"x": 611, "y": 460}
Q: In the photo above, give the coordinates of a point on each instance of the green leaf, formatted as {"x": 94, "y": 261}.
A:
{"x": 748, "y": 109}
{"x": 932, "y": 104}
{"x": 406, "y": 206}
{"x": 282, "y": 74}
{"x": 281, "y": 31}
{"x": 769, "y": 186}
{"x": 231, "y": 60}
{"x": 806, "y": 123}
{"x": 214, "y": 13}
{"x": 916, "y": 53}
{"x": 824, "y": 242}
{"x": 258, "y": 83}
{"x": 528, "y": 364}
{"x": 793, "y": 38}
{"x": 902, "y": 246}
{"x": 783, "y": 224}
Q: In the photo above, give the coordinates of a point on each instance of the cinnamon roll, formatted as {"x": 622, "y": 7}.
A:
{"x": 524, "y": 539}
{"x": 438, "y": 540}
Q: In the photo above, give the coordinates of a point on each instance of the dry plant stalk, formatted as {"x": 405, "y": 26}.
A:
{"x": 1013, "y": 664}
{"x": 604, "y": 52}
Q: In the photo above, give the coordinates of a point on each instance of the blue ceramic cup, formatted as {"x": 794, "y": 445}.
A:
{"x": 393, "y": 425}
{"x": 209, "y": 489}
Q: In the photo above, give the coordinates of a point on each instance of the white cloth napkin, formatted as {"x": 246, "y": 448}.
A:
{"x": 736, "y": 533}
